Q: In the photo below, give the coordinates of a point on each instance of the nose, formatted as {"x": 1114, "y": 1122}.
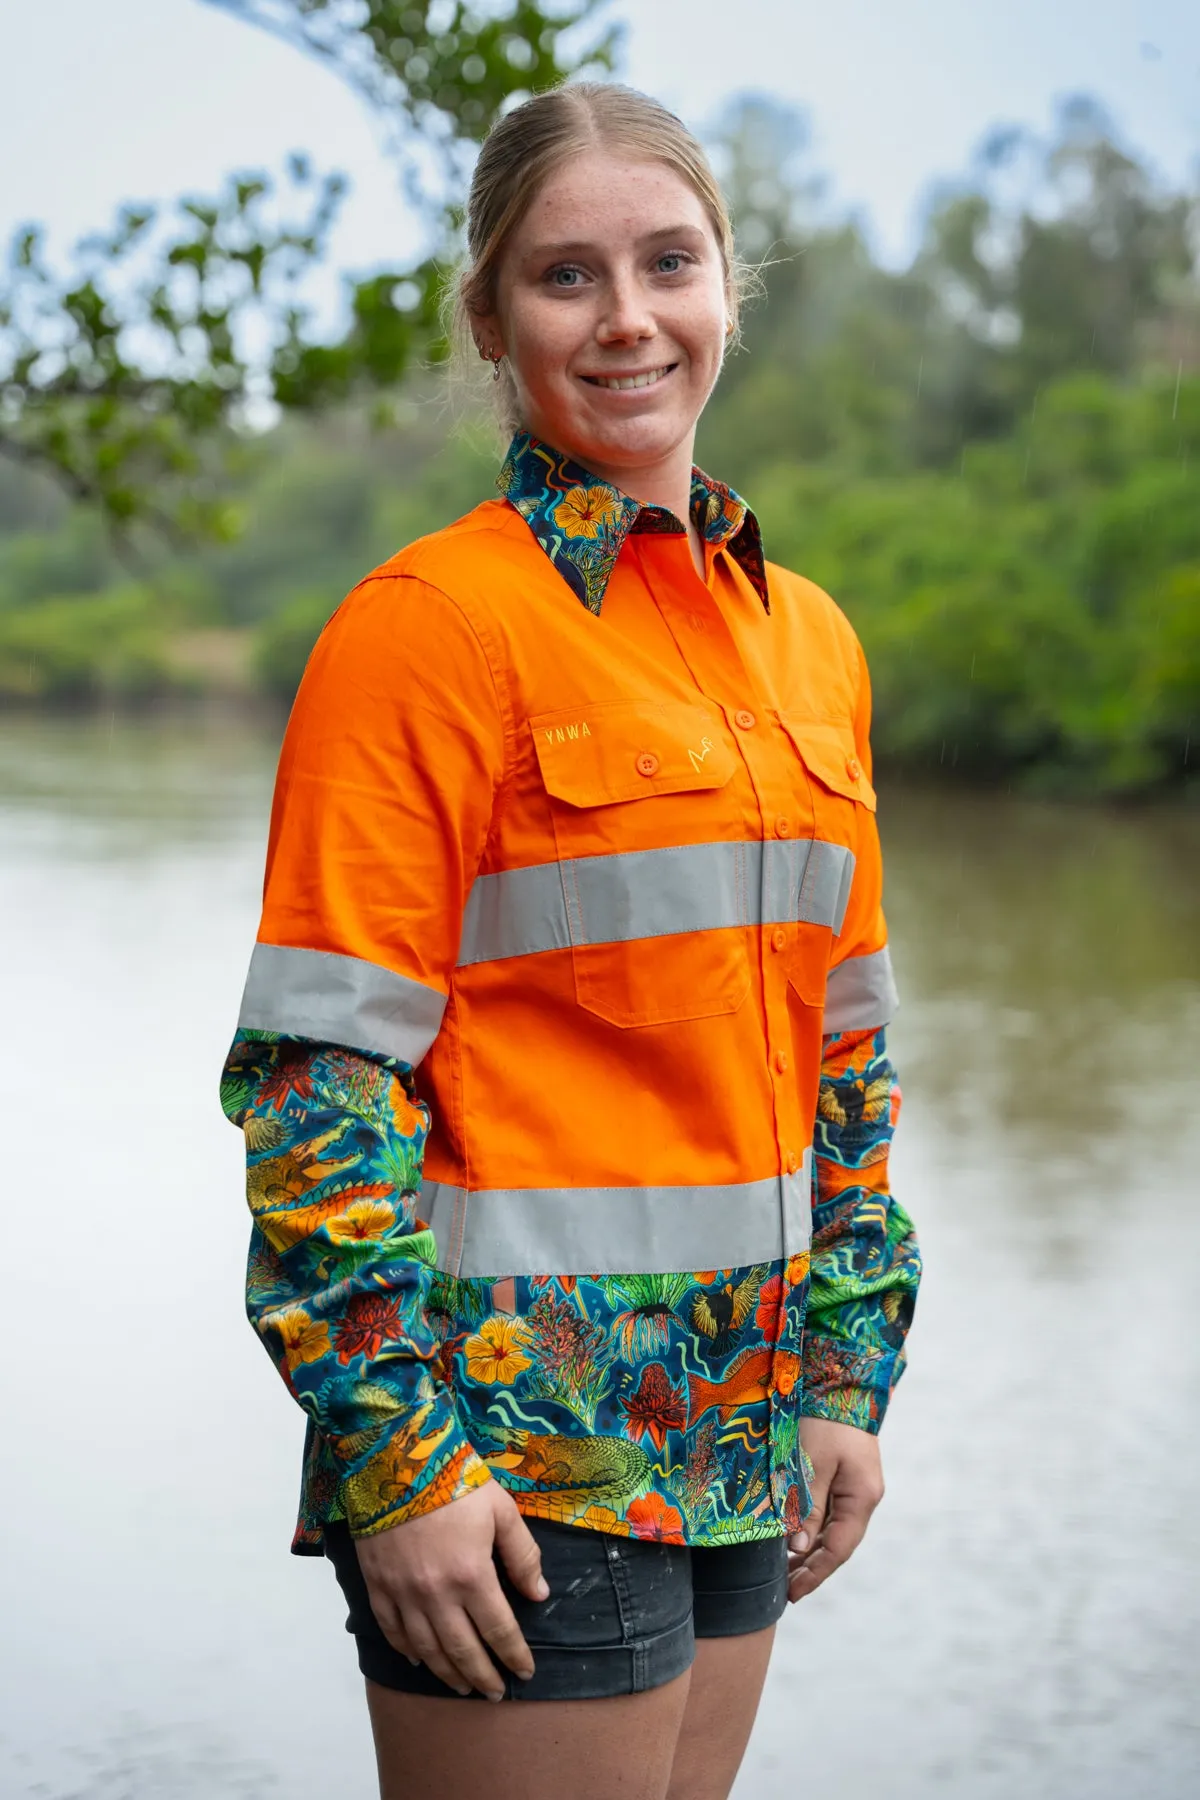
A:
{"x": 626, "y": 319}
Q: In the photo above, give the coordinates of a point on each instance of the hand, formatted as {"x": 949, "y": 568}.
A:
{"x": 847, "y": 1487}
{"x": 437, "y": 1597}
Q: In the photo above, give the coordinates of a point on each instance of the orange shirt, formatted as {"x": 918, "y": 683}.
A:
{"x": 609, "y": 873}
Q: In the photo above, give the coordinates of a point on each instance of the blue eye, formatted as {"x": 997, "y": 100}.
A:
{"x": 673, "y": 257}
{"x": 567, "y": 278}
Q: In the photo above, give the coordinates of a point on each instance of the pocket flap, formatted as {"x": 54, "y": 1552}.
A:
{"x": 827, "y": 749}
{"x": 594, "y": 755}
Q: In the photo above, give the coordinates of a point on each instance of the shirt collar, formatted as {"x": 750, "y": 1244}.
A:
{"x": 582, "y": 522}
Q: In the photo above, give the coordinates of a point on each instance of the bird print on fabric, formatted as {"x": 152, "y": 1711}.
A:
{"x": 720, "y": 1311}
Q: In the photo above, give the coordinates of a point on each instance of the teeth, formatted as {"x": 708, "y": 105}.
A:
{"x": 620, "y": 382}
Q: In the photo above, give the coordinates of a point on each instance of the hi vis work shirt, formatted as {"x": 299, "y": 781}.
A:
{"x": 587, "y": 841}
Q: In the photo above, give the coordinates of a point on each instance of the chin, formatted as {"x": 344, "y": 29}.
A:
{"x": 634, "y": 442}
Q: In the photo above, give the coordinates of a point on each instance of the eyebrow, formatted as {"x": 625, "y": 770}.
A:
{"x": 582, "y": 245}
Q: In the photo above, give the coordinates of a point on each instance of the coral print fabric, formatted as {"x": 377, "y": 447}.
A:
{"x": 659, "y": 1406}
{"x": 582, "y": 523}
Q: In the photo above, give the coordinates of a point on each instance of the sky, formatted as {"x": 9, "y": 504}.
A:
{"x": 103, "y": 101}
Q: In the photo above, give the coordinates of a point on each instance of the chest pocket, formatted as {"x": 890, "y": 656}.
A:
{"x": 656, "y": 885}
{"x": 840, "y": 795}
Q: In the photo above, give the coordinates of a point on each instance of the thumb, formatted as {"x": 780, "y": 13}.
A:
{"x": 519, "y": 1550}
{"x": 800, "y": 1542}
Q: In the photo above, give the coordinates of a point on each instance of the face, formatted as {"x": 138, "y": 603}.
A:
{"x": 612, "y": 311}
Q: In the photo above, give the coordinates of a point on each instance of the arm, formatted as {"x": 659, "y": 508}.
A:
{"x": 339, "y": 1268}
{"x": 865, "y": 1260}
{"x": 396, "y": 748}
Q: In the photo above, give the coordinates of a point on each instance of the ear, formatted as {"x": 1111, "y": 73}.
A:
{"x": 489, "y": 339}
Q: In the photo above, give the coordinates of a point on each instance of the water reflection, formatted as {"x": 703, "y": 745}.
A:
{"x": 1023, "y": 1618}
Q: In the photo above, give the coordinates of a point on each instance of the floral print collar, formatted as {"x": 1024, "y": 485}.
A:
{"x": 582, "y": 522}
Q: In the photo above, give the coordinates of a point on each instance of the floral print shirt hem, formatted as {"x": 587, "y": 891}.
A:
{"x": 661, "y": 1406}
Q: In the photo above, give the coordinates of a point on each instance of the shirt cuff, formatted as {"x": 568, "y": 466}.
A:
{"x": 424, "y": 1461}
{"x": 847, "y": 1387}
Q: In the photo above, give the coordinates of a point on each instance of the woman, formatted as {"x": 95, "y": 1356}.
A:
{"x": 574, "y": 812}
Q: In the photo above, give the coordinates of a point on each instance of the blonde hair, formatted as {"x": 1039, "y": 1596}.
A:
{"x": 523, "y": 149}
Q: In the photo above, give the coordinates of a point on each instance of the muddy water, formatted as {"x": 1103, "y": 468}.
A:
{"x": 1024, "y": 1616}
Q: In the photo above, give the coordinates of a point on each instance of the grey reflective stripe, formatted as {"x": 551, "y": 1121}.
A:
{"x": 825, "y": 885}
{"x": 493, "y": 1232}
{"x": 654, "y": 893}
{"x": 806, "y": 879}
{"x": 861, "y": 993}
{"x": 340, "y": 1000}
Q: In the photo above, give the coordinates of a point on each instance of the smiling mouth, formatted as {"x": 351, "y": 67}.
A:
{"x": 622, "y": 383}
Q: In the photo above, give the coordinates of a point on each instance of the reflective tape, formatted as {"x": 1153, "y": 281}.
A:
{"x": 489, "y": 1233}
{"x": 340, "y": 1000}
{"x": 861, "y": 993}
{"x": 654, "y": 893}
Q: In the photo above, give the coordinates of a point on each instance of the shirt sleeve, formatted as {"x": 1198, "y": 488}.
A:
{"x": 866, "y": 1262}
{"x": 393, "y": 755}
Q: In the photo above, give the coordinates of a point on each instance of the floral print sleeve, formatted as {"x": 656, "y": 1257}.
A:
{"x": 865, "y": 1259}
{"x": 339, "y": 1273}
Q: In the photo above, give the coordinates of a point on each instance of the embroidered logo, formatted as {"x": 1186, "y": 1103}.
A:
{"x": 696, "y": 757}
{"x": 560, "y": 734}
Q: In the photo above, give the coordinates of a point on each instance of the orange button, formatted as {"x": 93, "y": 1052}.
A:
{"x": 782, "y": 827}
{"x": 791, "y": 1162}
{"x": 744, "y": 720}
{"x": 778, "y": 938}
{"x": 647, "y": 763}
{"x": 853, "y": 767}
{"x": 781, "y": 1061}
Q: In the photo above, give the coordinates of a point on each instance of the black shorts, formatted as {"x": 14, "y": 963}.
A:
{"x": 623, "y": 1614}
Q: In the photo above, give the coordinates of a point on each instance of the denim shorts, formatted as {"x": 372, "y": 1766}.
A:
{"x": 623, "y": 1614}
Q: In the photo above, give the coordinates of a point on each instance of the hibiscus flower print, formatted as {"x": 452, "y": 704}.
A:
{"x": 603, "y": 1518}
{"x": 366, "y": 1322}
{"x": 365, "y": 1219}
{"x": 651, "y": 1517}
{"x": 494, "y": 1353}
{"x": 302, "y": 1338}
{"x": 587, "y": 512}
{"x": 656, "y": 1408}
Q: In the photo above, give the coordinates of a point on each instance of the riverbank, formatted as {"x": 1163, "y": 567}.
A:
{"x": 1030, "y": 614}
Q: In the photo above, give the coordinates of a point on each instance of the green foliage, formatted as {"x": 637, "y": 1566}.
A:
{"x": 1000, "y": 487}
{"x": 282, "y": 645}
{"x": 130, "y": 378}
{"x": 445, "y": 66}
{"x": 1032, "y": 614}
{"x": 122, "y": 381}
{"x": 111, "y": 646}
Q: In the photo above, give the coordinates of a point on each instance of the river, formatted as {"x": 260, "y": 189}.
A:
{"x": 1023, "y": 1618}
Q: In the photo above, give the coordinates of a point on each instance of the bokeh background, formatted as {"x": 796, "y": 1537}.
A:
{"x": 969, "y": 405}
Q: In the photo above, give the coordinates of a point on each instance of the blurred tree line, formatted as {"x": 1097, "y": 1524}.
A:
{"x": 989, "y": 457}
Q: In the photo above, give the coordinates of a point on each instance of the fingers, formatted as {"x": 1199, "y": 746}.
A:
{"x": 495, "y": 1621}
{"x": 450, "y": 1639}
{"x": 393, "y": 1630}
{"x": 800, "y": 1542}
{"x": 435, "y": 1589}
{"x": 451, "y": 1649}
{"x": 849, "y": 1516}
{"x": 520, "y": 1554}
